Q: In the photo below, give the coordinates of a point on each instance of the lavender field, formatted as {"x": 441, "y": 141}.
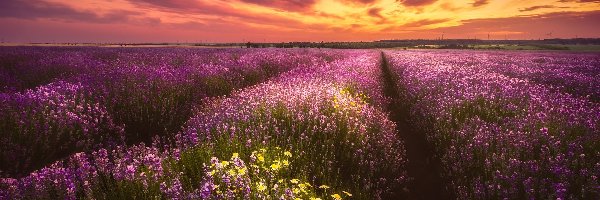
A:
{"x": 230, "y": 123}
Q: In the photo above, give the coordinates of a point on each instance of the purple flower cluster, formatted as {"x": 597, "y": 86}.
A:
{"x": 324, "y": 105}
{"x": 118, "y": 94}
{"x": 508, "y": 124}
{"x": 153, "y": 91}
{"x": 24, "y": 68}
{"x": 319, "y": 111}
{"x": 38, "y": 126}
{"x": 573, "y": 73}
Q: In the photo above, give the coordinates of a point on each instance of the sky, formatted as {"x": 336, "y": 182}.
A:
{"x": 211, "y": 21}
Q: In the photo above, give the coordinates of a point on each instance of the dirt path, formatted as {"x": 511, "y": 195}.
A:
{"x": 423, "y": 167}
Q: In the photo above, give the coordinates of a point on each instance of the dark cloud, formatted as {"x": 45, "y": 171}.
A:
{"x": 425, "y": 22}
{"x": 215, "y": 26}
{"x": 562, "y": 24}
{"x": 359, "y": 2}
{"x": 289, "y": 5}
{"x": 375, "y": 12}
{"x": 478, "y": 3}
{"x": 179, "y": 5}
{"x": 532, "y": 8}
{"x": 365, "y": 1}
{"x": 415, "y": 24}
{"x": 202, "y": 7}
{"x": 301, "y": 6}
{"x": 29, "y": 9}
{"x": 416, "y": 2}
{"x": 322, "y": 14}
{"x": 198, "y": 7}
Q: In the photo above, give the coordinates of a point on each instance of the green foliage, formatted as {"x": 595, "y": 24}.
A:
{"x": 488, "y": 111}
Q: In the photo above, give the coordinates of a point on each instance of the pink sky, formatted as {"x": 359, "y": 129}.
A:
{"x": 293, "y": 20}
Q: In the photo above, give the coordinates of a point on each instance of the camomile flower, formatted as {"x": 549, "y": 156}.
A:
{"x": 275, "y": 166}
{"x": 336, "y": 196}
{"x": 242, "y": 171}
{"x": 225, "y": 163}
{"x": 261, "y": 186}
{"x": 347, "y": 193}
{"x": 231, "y": 172}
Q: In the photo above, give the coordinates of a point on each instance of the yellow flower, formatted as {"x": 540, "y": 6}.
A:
{"x": 212, "y": 172}
{"x": 280, "y": 181}
{"x": 261, "y": 186}
{"x": 313, "y": 198}
{"x": 308, "y": 184}
{"x": 225, "y": 163}
{"x": 347, "y": 193}
{"x": 294, "y": 181}
{"x": 242, "y": 171}
{"x": 275, "y": 166}
{"x": 296, "y": 191}
{"x": 287, "y": 153}
{"x": 231, "y": 172}
{"x": 336, "y": 196}
{"x": 261, "y": 158}
{"x": 286, "y": 162}
{"x": 302, "y": 186}
{"x": 235, "y": 155}
{"x": 263, "y": 150}
{"x": 324, "y": 187}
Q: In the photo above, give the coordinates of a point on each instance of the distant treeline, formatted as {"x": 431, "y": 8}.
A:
{"x": 549, "y": 44}
{"x": 447, "y": 43}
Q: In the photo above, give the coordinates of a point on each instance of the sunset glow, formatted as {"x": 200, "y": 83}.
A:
{"x": 294, "y": 20}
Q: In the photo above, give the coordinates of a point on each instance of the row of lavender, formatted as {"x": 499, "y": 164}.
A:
{"x": 502, "y": 125}
{"x": 102, "y": 97}
{"x": 312, "y": 132}
{"x": 573, "y": 73}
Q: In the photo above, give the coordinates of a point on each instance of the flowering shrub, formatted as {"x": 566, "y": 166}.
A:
{"x": 266, "y": 176}
{"x": 327, "y": 112}
{"x": 153, "y": 92}
{"x": 343, "y": 139}
{"x": 51, "y": 122}
{"x": 23, "y": 68}
{"x": 502, "y": 127}
{"x": 118, "y": 95}
{"x": 178, "y": 123}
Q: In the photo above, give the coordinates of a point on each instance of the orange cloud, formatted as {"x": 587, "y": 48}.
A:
{"x": 478, "y": 3}
{"x": 294, "y": 20}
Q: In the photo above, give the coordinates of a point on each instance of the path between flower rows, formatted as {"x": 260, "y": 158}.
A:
{"x": 424, "y": 168}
